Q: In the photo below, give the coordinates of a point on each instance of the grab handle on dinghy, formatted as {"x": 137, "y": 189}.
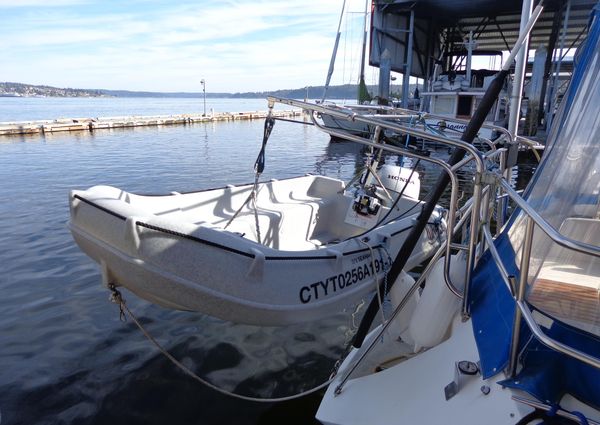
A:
{"x": 74, "y": 204}
{"x": 384, "y": 239}
{"x": 131, "y": 232}
{"x": 107, "y": 278}
{"x": 337, "y": 264}
{"x": 257, "y": 267}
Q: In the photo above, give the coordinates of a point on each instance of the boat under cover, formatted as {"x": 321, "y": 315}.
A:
{"x": 501, "y": 365}
{"x": 298, "y": 253}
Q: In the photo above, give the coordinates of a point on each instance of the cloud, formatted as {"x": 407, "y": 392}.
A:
{"x": 39, "y": 3}
{"x": 151, "y": 45}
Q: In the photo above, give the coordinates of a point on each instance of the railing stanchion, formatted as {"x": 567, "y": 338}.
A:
{"x": 524, "y": 272}
{"x": 502, "y": 201}
{"x": 473, "y": 239}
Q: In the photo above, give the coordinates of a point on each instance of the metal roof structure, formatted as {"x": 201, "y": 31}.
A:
{"x": 495, "y": 25}
{"x": 413, "y": 36}
{"x": 500, "y": 30}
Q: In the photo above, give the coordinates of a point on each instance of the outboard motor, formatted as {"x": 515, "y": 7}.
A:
{"x": 398, "y": 180}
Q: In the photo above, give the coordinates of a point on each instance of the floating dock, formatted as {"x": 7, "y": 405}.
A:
{"x": 92, "y": 124}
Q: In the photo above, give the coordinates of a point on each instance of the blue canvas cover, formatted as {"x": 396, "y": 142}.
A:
{"x": 565, "y": 187}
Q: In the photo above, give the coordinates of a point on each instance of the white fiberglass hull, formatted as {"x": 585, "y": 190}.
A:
{"x": 456, "y": 129}
{"x": 353, "y": 127}
{"x": 412, "y": 392}
{"x": 174, "y": 250}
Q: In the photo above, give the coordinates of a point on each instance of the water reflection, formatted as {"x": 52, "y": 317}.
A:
{"x": 66, "y": 356}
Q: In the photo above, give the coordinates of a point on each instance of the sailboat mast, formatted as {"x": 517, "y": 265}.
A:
{"x": 361, "y": 77}
{"x": 335, "y": 47}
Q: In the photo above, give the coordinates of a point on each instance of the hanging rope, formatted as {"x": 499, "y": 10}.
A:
{"x": 379, "y": 294}
{"x": 254, "y": 195}
{"x": 118, "y": 299}
{"x": 259, "y": 167}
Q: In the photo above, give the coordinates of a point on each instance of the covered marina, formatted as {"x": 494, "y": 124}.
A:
{"x": 427, "y": 38}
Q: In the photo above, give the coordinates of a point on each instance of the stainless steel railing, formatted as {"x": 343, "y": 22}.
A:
{"x": 474, "y": 155}
{"x": 523, "y": 312}
{"x": 485, "y": 187}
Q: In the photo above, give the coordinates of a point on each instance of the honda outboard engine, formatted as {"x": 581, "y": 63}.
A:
{"x": 397, "y": 180}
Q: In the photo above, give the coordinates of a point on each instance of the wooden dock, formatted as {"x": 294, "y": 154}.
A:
{"x": 92, "y": 124}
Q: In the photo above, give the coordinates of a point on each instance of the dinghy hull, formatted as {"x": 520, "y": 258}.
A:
{"x": 152, "y": 246}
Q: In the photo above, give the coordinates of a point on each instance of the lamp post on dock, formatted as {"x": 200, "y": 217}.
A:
{"x": 204, "y": 91}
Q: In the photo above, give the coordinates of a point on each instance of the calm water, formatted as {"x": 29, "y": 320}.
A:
{"x": 65, "y": 356}
{"x": 49, "y": 108}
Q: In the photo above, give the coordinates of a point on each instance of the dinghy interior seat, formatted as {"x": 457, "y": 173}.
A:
{"x": 299, "y": 217}
{"x": 286, "y": 213}
{"x": 294, "y": 215}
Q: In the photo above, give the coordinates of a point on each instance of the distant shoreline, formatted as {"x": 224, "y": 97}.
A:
{"x": 17, "y": 96}
{"x": 346, "y": 91}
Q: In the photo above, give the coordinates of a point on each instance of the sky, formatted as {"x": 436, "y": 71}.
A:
{"x": 166, "y": 45}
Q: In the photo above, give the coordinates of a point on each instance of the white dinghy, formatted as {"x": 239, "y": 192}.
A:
{"x": 272, "y": 253}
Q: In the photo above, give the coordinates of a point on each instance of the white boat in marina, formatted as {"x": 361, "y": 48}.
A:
{"x": 274, "y": 253}
{"x": 522, "y": 346}
{"x": 516, "y": 338}
{"x": 453, "y": 97}
{"x": 455, "y": 94}
{"x": 451, "y": 108}
{"x": 349, "y": 126}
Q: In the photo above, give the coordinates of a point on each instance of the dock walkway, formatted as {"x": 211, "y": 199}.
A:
{"x": 91, "y": 124}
